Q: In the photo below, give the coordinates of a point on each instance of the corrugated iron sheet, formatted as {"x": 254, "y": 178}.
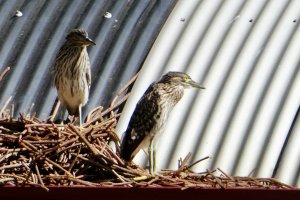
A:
{"x": 28, "y": 44}
{"x": 247, "y": 54}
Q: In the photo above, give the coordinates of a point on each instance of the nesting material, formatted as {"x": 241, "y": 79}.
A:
{"x": 42, "y": 154}
{"x": 36, "y": 153}
{"x": 39, "y": 154}
{"x": 4, "y": 72}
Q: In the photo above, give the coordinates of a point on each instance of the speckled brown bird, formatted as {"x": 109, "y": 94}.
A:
{"x": 71, "y": 73}
{"x": 151, "y": 114}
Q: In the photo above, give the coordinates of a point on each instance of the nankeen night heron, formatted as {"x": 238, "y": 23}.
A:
{"x": 151, "y": 114}
{"x": 71, "y": 73}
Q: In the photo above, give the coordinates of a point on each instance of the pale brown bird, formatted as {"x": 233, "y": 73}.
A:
{"x": 151, "y": 114}
{"x": 71, "y": 73}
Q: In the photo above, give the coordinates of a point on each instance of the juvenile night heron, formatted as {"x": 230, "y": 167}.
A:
{"x": 71, "y": 73}
{"x": 151, "y": 114}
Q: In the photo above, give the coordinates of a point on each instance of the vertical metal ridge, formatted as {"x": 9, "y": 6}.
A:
{"x": 180, "y": 135}
{"x": 264, "y": 89}
{"x": 237, "y": 99}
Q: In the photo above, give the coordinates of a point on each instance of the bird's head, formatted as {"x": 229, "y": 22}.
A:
{"x": 79, "y": 37}
{"x": 180, "y": 78}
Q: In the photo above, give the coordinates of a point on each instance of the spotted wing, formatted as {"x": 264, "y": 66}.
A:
{"x": 141, "y": 123}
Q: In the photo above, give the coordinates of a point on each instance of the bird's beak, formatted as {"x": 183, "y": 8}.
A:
{"x": 89, "y": 41}
{"x": 196, "y": 85}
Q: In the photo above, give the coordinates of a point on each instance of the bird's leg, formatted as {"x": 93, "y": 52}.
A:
{"x": 151, "y": 158}
{"x": 61, "y": 115}
{"x": 154, "y": 159}
{"x": 79, "y": 113}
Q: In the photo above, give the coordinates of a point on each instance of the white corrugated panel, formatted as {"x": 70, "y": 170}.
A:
{"x": 247, "y": 54}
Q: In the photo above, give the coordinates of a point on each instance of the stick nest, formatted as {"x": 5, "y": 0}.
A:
{"x": 36, "y": 153}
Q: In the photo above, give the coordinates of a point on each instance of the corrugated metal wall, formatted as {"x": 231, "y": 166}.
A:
{"x": 28, "y": 44}
{"x": 247, "y": 54}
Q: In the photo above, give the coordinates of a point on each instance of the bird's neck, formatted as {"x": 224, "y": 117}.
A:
{"x": 173, "y": 92}
{"x": 77, "y": 51}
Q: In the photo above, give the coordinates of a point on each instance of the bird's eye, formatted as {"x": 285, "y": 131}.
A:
{"x": 187, "y": 79}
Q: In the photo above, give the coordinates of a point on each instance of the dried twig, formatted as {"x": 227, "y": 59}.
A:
{"x": 40, "y": 178}
{"x": 5, "y": 105}
{"x": 2, "y": 74}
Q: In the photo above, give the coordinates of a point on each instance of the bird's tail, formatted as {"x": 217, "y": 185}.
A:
{"x": 125, "y": 152}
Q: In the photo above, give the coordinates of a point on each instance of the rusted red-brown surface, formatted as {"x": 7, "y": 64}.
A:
{"x": 80, "y": 193}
